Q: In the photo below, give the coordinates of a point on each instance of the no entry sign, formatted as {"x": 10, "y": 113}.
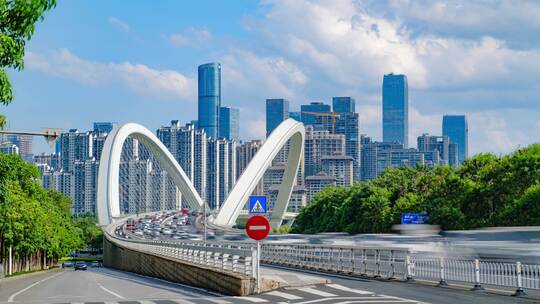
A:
{"x": 258, "y": 227}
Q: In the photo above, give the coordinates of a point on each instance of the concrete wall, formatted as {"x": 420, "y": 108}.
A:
{"x": 115, "y": 256}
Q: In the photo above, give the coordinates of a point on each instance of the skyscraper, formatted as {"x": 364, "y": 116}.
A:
{"x": 209, "y": 87}
{"x": 23, "y": 142}
{"x": 310, "y": 118}
{"x": 343, "y": 104}
{"x": 457, "y": 129}
{"x": 103, "y": 127}
{"x": 319, "y": 144}
{"x": 277, "y": 110}
{"x": 395, "y": 102}
{"x": 348, "y": 124}
{"x": 229, "y": 120}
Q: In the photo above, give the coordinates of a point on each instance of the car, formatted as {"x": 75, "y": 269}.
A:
{"x": 67, "y": 264}
{"x": 80, "y": 265}
{"x": 95, "y": 264}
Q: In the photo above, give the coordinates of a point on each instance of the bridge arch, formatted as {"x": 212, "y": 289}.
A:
{"x": 108, "y": 199}
{"x": 288, "y": 129}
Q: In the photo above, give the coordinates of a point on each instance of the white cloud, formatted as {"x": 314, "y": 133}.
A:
{"x": 138, "y": 78}
{"x": 191, "y": 37}
{"x": 119, "y": 24}
{"x": 250, "y": 76}
{"x": 351, "y": 47}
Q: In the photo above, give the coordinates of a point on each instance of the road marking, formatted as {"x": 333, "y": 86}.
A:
{"x": 218, "y": 301}
{"x": 284, "y": 295}
{"x": 371, "y": 299}
{"x": 12, "y": 297}
{"x": 316, "y": 292}
{"x": 105, "y": 289}
{"x": 348, "y": 289}
{"x": 252, "y": 299}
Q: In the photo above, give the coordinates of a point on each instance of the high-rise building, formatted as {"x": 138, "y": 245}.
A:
{"x": 378, "y": 156}
{"x": 103, "y": 127}
{"x": 134, "y": 181}
{"x": 395, "y": 102}
{"x": 315, "y": 183}
{"x": 310, "y": 117}
{"x": 209, "y": 89}
{"x": 296, "y": 116}
{"x": 23, "y": 143}
{"x": 343, "y": 105}
{"x": 84, "y": 188}
{"x": 221, "y": 170}
{"x": 8, "y": 148}
{"x": 244, "y": 154}
{"x": 457, "y": 129}
{"x": 75, "y": 146}
{"x": 229, "y": 123}
{"x": 348, "y": 124}
{"x": 188, "y": 146}
{"x": 59, "y": 181}
{"x": 52, "y": 160}
{"x": 277, "y": 110}
{"x": 340, "y": 167}
{"x": 297, "y": 201}
{"x": 319, "y": 144}
{"x": 440, "y": 144}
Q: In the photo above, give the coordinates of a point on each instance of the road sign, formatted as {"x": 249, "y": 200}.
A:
{"x": 257, "y": 205}
{"x": 413, "y": 218}
{"x": 258, "y": 227}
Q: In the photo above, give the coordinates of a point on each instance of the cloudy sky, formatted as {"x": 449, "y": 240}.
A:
{"x": 136, "y": 61}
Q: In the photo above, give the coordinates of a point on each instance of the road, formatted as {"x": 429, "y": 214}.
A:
{"x": 102, "y": 285}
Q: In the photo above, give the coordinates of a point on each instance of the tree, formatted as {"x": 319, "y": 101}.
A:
{"x": 17, "y": 25}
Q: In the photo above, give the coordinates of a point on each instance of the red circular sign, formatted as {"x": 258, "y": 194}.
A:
{"x": 258, "y": 227}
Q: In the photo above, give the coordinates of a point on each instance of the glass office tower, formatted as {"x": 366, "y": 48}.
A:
{"x": 343, "y": 104}
{"x": 209, "y": 98}
{"x": 395, "y": 109}
{"x": 229, "y": 120}
{"x": 277, "y": 110}
{"x": 457, "y": 129}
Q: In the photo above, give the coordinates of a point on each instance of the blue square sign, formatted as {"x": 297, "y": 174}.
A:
{"x": 257, "y": 205}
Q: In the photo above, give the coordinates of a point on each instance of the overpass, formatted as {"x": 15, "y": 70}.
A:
{"x": 227, "y": 267}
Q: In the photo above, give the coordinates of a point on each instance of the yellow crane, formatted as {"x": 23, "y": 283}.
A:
{"x": 333, "y": 116}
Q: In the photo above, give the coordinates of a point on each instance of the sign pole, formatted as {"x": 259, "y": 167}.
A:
{"x": 258, "y": 267}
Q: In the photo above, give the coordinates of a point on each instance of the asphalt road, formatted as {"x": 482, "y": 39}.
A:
{"x": 109, "y": 286}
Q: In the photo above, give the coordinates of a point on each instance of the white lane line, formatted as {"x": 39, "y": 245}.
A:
{"x": 348, "y": 289}
{"x": 218, "y": 301}
{"x": 284, "y": 295}
{"x": 370, "y": 299}
{"x": 316, "y": 292}
{"x": 252, "y": 299}
{"x": 12, "y": 297}
{"x": 105, "y": 289}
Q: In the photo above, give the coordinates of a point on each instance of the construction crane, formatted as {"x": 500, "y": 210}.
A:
{"x": 333, "y": 116}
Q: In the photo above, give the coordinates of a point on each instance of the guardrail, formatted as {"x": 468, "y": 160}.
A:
{"x": 397, "y": 263}
{"x": 390, "y": 263}
{"x": 223, "y": 258}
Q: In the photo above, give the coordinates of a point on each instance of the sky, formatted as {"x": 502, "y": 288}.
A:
{"x": 136, "y": 61}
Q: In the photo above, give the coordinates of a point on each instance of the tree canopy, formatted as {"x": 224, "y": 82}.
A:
{"x": 17, "y": 25}
{"x": 486, "y": 190}
{"x": 33, "y": 219}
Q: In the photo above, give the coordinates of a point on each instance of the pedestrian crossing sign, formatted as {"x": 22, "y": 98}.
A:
{"x": 257, "y": 205}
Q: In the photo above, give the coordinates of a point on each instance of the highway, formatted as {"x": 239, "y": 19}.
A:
{"x": 102, "y": 285}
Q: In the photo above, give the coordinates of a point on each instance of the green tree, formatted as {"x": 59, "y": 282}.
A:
{"x": 17, "y": 25}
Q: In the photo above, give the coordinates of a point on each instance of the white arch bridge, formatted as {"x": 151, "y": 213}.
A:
{"x": 108, "y": 199}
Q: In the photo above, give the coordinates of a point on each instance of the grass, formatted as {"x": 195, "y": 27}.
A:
{"x": 65, "y": 259}
{"x": 31, "y": 271}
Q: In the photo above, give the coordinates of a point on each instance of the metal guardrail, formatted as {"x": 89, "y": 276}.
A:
{"x": 391, "y": 263}
{"x": 220, "y": 257}
{"x": 398, "y": 263}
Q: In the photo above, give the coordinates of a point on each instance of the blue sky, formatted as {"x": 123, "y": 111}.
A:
{"x": 136, "y": 61}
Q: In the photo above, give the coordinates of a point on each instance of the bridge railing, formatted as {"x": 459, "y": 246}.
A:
{"x": 397, "y": 263}
{"x": 223, "y": 258}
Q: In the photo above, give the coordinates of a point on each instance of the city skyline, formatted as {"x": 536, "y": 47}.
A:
{"x": 139, "y": 86}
